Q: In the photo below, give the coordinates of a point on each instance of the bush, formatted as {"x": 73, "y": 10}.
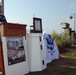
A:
{"x": 62, "y": 39}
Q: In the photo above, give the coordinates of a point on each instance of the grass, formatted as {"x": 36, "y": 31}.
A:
{"x": 70, "y": 54}
{"x": 70, "y": 65}
{"x": 65, "y": 65}
{"x": 68, "y": 71}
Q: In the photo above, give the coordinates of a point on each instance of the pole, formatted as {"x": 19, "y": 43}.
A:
{"x": 74, "y": 21}
{"x": 2, "y": 1}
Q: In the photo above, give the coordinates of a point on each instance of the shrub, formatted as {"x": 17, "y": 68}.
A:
{"x": 62, "y": 39}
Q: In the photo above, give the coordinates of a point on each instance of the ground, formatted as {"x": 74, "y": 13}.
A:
{"x": 65, "y": 65}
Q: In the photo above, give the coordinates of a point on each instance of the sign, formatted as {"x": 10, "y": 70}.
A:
{"x": 15, "y": 50}
{"x": 37, "y": 22}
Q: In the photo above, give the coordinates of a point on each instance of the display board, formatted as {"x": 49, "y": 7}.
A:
{"x": 14, "y": 53}
{"x": 15, "y": 50}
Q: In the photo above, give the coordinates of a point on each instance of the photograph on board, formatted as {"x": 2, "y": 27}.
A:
{"x": 15, "y": 50}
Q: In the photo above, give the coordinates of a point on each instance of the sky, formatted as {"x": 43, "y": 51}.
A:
{"x": 52, "y": 12}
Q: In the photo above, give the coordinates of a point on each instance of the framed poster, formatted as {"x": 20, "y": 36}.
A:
{"x": 15, "y": 50}
{"x": 37, "y": 22}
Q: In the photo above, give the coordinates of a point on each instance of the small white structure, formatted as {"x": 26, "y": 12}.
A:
{"x": 35, "y": 51}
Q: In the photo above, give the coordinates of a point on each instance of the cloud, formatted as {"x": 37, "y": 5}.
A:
{"x": 72, "y": 5}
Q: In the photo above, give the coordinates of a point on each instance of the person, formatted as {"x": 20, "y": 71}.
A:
{"x": 2, "y": 18}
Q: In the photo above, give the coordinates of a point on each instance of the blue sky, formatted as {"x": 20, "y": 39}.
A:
{"x": 52, "y": 12}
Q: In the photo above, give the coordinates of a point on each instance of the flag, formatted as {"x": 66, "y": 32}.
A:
{"x": 51, "y": 48}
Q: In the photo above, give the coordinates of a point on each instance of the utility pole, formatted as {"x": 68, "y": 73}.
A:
{"x": 2, "y": 1}
{"x": 74, "y": 22}
{"x": 71, "y": 17}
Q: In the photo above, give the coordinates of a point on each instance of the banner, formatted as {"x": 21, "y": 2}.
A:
{"x": 15, "y": 50}
{"x": 51, "y": 48}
